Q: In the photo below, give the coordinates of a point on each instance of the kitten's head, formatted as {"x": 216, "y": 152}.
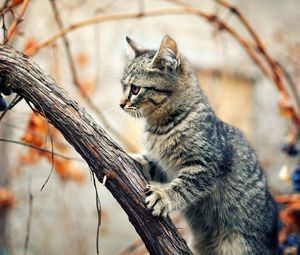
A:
{"x": 149, "y": 80}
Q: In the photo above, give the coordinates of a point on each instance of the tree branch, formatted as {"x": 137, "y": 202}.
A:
{"x": 102, "y": 154}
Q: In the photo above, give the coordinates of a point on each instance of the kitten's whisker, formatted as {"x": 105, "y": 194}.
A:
{"x": 140, "y": 113}
{"x": 137, "y": 120}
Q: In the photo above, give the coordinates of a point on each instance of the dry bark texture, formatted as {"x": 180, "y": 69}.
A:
{"x": 102, "y": 154}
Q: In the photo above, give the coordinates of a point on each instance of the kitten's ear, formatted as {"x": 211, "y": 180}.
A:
{"x": 137, "y": 48}
{"x": 167, "y": 56}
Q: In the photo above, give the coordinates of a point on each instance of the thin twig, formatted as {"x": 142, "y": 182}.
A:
{"x": 52, "y": 148}
{"x": 98, "y": 206}
{"x": 13, "y": 103}
{"x": 293, "y": 85}
{"x": 52, "y": 165}
{"x": 16, "y": 127}
{"x": 40, "y": 149}
{"x": 16, "y": 21}
{"x": 3, "y": 12}
{"x": 31, "y": 107}
{"x": 28, "y": 225}
{"x": 4, "y": 29}
{"x": 4, "y": 4}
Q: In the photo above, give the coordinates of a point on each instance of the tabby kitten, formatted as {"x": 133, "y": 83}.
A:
{"x": 210, "y": 171}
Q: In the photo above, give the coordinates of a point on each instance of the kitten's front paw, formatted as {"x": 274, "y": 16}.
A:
{"x": 157, "y": 200}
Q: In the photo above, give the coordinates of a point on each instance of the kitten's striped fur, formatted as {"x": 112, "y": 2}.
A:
{"x": 209, "y": 170}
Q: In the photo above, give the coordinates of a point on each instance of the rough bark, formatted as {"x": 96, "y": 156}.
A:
{"x": 102, "y": 154}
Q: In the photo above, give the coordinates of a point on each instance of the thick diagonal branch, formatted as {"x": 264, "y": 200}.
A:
{"x": 101, "y": 153}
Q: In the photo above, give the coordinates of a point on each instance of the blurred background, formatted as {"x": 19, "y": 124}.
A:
{"x": 88, "y": 62}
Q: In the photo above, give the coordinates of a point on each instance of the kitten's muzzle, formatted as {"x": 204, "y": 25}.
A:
{"x": 122, "y": 105}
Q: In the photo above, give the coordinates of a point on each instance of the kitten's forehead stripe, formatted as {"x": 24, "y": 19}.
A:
{"x": 127, "y": 79}
{"x": 131, "y": 73}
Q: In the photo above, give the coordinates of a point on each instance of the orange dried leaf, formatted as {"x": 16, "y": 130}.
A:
{"x": 282, "y": 235}
{"x": 27, "y": 137}
{"x": 290, "y": 215}
{"x": 67, "y": 170}
{"x": 75, "y": 173}
{"x": 59, "y": 165}
{"x": 37, "y": 130}
{"x": 31, "y": 157}
{"x": 291, "y": 219}
{"x": 16, "y": 2}
{"x": 61, "y": 147}
{"x": 289, "y": 198}
{"x": 35, "y": 134}
{"x": 33, "y": 139}
{"x": 7, "y": 198}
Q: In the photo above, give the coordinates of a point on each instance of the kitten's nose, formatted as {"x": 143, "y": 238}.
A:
{"x": 122, "y": 105}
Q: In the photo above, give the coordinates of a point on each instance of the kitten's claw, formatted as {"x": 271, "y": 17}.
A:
{"x": 158, "y": 201}
{"x": 147, "y": 190}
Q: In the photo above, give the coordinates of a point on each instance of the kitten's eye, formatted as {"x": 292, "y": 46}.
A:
{"x": 135, "y": 89}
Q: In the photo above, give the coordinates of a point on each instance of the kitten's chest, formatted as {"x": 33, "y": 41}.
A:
{"x": 167, "y": 151}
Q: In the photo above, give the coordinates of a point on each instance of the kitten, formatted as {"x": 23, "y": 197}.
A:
{"x": 209, "y": 170}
